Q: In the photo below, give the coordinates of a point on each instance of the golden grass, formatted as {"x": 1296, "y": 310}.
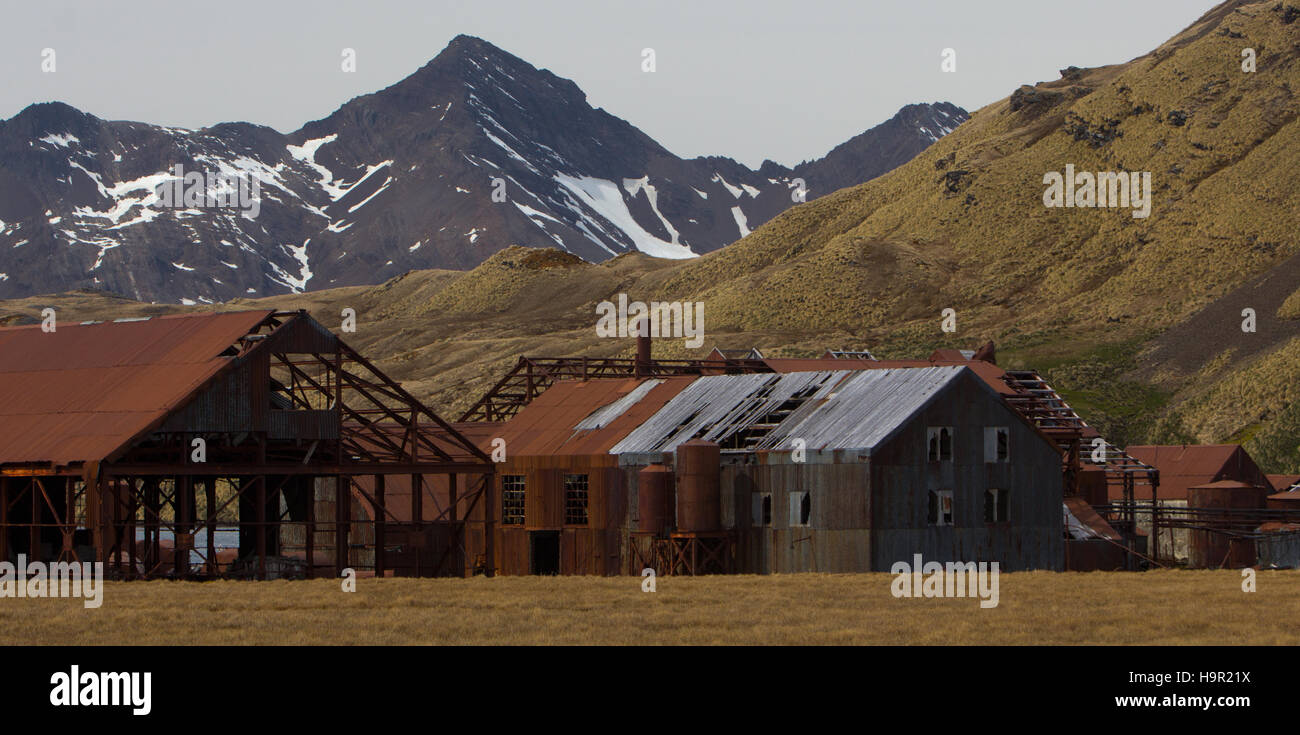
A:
{"x": 1036, "y": 608}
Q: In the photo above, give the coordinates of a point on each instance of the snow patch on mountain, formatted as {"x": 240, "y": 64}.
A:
{"x": 604, "y": 198}
{"x": 735, "y": 190}
{"x": 64, "y": 140}
{"x": 307, "y": 154}
{"x": 742, "y": 223}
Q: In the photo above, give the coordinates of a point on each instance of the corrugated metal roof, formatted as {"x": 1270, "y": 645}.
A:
{"x": 601, "y": 417}
{"x": 548, "y": 424}
{"x": 80, "y": 392}
{"x": 992, "y": 375}
{"x": 1183, "y": 466}
{"x": 840, "y": 409}
{"x": 1283, "y": 482}
{"x": 862, "y": 410}
{"x": 1082, "y": 521}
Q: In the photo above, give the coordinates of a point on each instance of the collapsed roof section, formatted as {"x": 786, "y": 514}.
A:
{"x": 831, "y": 409}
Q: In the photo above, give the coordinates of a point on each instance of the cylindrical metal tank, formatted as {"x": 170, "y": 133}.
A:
{"x": 1217, "y": 548}
{"x": 699, "y": 502}
{"x": 654, "y": 498}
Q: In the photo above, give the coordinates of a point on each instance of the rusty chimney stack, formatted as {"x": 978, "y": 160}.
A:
{"x": 643, "y": 348}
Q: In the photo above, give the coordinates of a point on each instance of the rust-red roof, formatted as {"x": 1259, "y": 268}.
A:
{"x": 1193, "y": 465}
{"x": 1282, "y": 482}
{"x": 1085, "y": 514}
{"x": 82, "y": 391}
{"x": 546, "y": 426}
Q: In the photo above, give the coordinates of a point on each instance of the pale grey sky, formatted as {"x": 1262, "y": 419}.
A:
{"x": 784, "y": 79}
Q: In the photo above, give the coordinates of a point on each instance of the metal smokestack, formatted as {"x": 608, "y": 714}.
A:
{"x": 643, "y": 348}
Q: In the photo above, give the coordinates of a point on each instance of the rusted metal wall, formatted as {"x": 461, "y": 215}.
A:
{"x": 838, "y": 534}
{"x": 593, "y": 549}
{"x": 1213, "y": 546}
{"x": 868, "y": 511}
{"x": 227, "y": 405}
{"x": 903, "y": 476}
{"x": 1280, "y": 550}
{"x": 1094, "y": 555}
{"x": 237, "y": 401}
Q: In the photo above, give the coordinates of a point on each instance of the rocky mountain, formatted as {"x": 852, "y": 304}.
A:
{"x": 474, "y": 152}
{"x": 1182, "y": 325}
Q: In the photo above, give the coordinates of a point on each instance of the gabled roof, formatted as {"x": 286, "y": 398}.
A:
{"x": 1282, "y": 483}
{"x": 991, "y": 374}
{"x": 836, "y": 409}
{"x": 1192, "y": 465}
{"x": 79, "y": 393}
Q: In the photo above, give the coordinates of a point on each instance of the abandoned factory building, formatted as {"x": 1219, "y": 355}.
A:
{"x": 830, "y": 470}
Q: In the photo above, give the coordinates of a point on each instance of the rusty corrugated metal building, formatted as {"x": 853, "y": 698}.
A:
{"x": 1183, "y": 469}
{"x": 829, "y": 468}
{"x": 135, "y": 442}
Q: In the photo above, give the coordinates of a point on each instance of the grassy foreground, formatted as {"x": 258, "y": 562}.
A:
{"x": 1162, "y": 607}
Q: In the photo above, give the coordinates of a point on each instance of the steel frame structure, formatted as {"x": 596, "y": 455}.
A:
{"x": 344, "y": 418}
{"x": 532, "y": 375}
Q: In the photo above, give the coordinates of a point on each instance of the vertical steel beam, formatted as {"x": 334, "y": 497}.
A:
{"x": 69, "y": 519}
{"x": 182, "y": 497}
{"x": 310, "y": 531}
{"x": 132, "y": 510}
{"x": 4, "y": 519}
{"x": 261, "y": 525}
{"x": 342, "y": 518}
{"x": 380, "y": 523}
{"x": 489, "y": 524}
{"x": 417, "y": 517}
{"x": 452, "y": 498}
{"x": 210, "y": 499}
{"x": 34, "y": 539}
{"x": 153, "y": 525}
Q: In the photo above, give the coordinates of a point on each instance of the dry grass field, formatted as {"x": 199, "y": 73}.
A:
{"x": 1162, "y": 607}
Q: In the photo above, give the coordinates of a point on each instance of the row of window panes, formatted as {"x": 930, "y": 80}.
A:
{"x": 575, "y": 500}
{"x": 997, "y": 444}
{"x": 512, "y": 500}
{"x": 576, "y": 495}
{"x": 800, "y": 508}
{"x": 995, "y": 507}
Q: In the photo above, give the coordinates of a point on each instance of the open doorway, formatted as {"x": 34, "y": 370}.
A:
{"x": 545, "y": 547}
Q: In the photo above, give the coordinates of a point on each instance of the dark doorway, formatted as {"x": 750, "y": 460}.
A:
{"x": 546, "y": 552}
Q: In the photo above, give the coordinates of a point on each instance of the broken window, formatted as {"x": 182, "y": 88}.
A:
{"x": 995, "y": 506}
{"x": 940, "y": 511}
{"x": 762, "y": 510}
{"x": 575, "y": 500}
{"x": 997, "y": 443}
{"x": 512, "y": 500}
{"x": 800, "y": 509}
{"x": 939, "y": 443}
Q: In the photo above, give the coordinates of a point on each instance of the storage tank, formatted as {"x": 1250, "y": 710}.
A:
{"x": 654, "y": 499}
{"x": 699, "y": 502}
{"x": 1212, "y": 549}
